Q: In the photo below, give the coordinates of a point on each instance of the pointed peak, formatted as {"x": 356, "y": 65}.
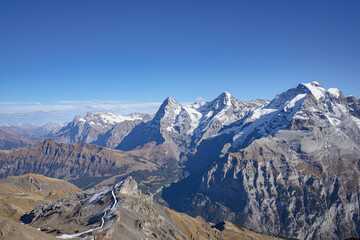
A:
{"x": 169, "y": 103}
{"x": 170, "y": 100}
{"x": 224, "y": 98}
{"x": 225, "y": 95}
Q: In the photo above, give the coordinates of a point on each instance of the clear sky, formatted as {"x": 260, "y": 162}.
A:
{"x": 60, "y": 58}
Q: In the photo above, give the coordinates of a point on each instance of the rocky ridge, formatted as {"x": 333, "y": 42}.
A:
{"x": 73, "y": 161}
{"x": 87, "y": 165}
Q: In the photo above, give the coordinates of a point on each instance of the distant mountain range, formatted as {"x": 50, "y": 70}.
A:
{"x": 10, "y": 140}
{"x": 287, "y": 167}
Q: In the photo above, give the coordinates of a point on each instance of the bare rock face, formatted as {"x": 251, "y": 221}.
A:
{"x": 290, "y": 168}
{"x": 118, "y": 212}
{"x": 130, "y": 187}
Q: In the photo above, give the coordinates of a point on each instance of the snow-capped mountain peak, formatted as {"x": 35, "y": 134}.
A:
{"x": 224, "y": 100}
{"x": 89, "y": 126}
{"x": 225, "y": 96}
{"x": 169, "y": 107}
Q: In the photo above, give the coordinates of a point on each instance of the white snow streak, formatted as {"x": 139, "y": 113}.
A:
{"x": 113, "y": 208}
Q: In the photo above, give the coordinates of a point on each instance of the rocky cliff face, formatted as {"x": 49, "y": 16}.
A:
{"x": 118, "y": 212}
{"x": 290, "y": 168}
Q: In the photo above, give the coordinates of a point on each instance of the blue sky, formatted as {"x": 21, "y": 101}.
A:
{"x": 60, "y": 58}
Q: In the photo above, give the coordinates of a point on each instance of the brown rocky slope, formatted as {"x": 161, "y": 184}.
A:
{"x": 20, "y": 194}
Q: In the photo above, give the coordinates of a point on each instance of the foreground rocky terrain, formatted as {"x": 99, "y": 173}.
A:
{"x": 10, "y": 229}
{"x": 118, "y": 212}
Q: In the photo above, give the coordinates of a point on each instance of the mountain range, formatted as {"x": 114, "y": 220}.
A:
{"x": 289, "y": 168}
{"x": 286, "y": 167}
